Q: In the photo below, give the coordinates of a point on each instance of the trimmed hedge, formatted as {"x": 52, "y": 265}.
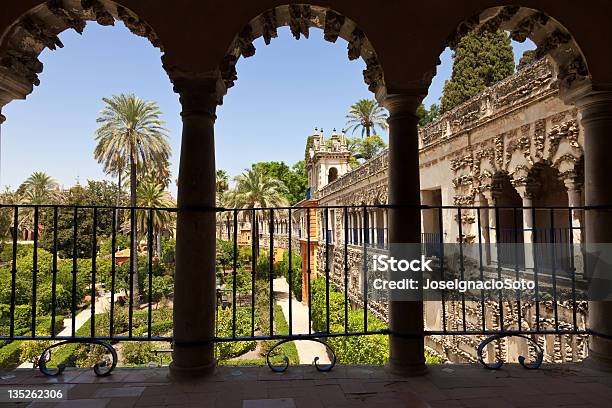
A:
{"x": 366, "y": 349}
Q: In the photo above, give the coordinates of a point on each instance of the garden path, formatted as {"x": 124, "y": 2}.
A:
{"x": 307, "y": 350}
{"x": 102, "y": 305}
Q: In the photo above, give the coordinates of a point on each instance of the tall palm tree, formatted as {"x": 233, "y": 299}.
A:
{"x": 132, "y": 129}
{"x": 154, "y": 195}
{"x": 366, "y": 114}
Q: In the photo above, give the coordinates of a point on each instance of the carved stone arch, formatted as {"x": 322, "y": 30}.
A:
{"x": 39, "y": 28}
{"x": 300, "y": 18}
{"x": 553, "y": 40}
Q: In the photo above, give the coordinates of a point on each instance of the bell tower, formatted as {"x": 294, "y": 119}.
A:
{"x": 326, "y": 160}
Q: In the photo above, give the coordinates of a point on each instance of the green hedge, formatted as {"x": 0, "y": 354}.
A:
{"x": 11, "y": 352}
{"x": 366, "y": 349}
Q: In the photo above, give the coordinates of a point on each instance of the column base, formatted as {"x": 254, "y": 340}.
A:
{"x": 177, "y": 373}
{"x": 600, "y": 354}
{"x": 406, "y": 370}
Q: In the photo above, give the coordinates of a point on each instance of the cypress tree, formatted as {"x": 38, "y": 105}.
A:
{"x": 480, "y": 60}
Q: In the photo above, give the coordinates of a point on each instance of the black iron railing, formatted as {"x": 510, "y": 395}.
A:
{"x": 88, "y": 255}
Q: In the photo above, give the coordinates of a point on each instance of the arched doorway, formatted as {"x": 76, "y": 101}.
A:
{"x": 509, "y": 223}
{"x": 551, "y": 222}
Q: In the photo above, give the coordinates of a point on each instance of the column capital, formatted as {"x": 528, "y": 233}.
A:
{"x": 199, "y": 93}
{"x": 406, "y": 103}
{"x": 595, "y": 105}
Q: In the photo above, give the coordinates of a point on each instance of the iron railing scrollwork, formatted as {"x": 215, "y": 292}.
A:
{"x": 333, "y": 244}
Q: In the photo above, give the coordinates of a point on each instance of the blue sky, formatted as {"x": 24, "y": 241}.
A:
{"x": 286, "y": 90}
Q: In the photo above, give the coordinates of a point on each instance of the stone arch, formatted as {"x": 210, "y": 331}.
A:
{"x": 39, "y": 28}
{"x": 509, "y": 220}
{"x": 332, "y": 174}
{"x": 300, "y": 18}
{"x": 552, "y": 39}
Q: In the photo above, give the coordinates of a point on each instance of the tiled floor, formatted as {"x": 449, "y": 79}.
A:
{"x": 346, "y": 386}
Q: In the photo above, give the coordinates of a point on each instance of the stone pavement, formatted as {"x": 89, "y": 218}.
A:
{"x": 567, "y": 385}
{"x": 307, "y": 350}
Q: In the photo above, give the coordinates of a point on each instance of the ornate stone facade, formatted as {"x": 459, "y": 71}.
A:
{"x": 510, "y": 131}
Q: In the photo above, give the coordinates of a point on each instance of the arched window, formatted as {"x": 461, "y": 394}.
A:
{"x": 332, "y": 174}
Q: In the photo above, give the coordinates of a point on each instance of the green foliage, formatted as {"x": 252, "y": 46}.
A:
{"x": 283, "y": 270}
{"x": 527, "y": 58}
{"x": 294, "y": 178}
{"x": 427, "y": 116}
{"x": 230, "y": 349}
{"x": 121, "y": 242}
{"x": 480, "y": 60}
{"x": 137, "y": 352}
{"x": 162, "y": 287}
{"x": 168, "y": 255}
{"x": 243, "y": 281}
{"x": 366, "y": 115}
{"x": 366, "y": 148}
{"x": 367, "y": 349}
{"x": 225, "y": 254}
{"x": 285, "y": 350}
{"x": 10, "y": 354}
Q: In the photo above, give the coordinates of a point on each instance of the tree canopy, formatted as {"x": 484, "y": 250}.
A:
{"x": 366, "y": 115}
{"x": 480, "y": 60}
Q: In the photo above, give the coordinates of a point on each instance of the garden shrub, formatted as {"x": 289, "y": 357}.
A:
{"x": 232, "y": 349}
{"x": 137, "y": 352}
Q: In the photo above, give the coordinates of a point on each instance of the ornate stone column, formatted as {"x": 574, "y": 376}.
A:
{"x": 526, "y": 193}
{"x": 491, "y": 235}
{"x": 406, "y": 341}
{"x": 194, "y": 279}
{"x": 596, "y": 118}
{"x": 374, "y": 226}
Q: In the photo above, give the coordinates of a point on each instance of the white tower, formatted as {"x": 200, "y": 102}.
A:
{"x": 326, "y": 159}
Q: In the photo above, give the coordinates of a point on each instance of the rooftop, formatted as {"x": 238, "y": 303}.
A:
{"x": 567, "y": 385}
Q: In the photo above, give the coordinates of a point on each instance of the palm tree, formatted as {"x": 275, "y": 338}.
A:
{"x": 366, "y": 114}
{"x": 222, "y": 181}
{"x": 131, "y": 132}
{"x": 38, "y": 189}
{"x": 256, "y": 188}
{"x": 40, "y": 184}
{"x": 154, "y": 195}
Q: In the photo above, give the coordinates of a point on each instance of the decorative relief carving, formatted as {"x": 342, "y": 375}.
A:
{"x": 525, "y": 85}
{"x": 355, "y": 43}
{"x": 539, "y": 137}
{"x": 499, "y": 151}
{"x": 523, "y": 144}
{"x": 461, "y": 162}
{"x": 269, "y": 25}
{"x": 566, "y": 130}
{"x": 527, "y": 25}
{"x": 39, "y": 34}
{"x": 299, "y": 20}
{"x": 373, "y": 74}
{"x": 553, "y": 41}
{"x": 228, "y": 70}
{"x": 333, "y": 25}
{"x": 244, "y": 42}
{"x": 98, "y": 12}
{"x": 493, "y": 24}
{"x": 22, "y": 66}
{"x": 138, "y": 27}
{"x": 70, "y": 19}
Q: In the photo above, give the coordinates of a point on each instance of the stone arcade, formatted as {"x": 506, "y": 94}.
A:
{"x": 400, "y": 43}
